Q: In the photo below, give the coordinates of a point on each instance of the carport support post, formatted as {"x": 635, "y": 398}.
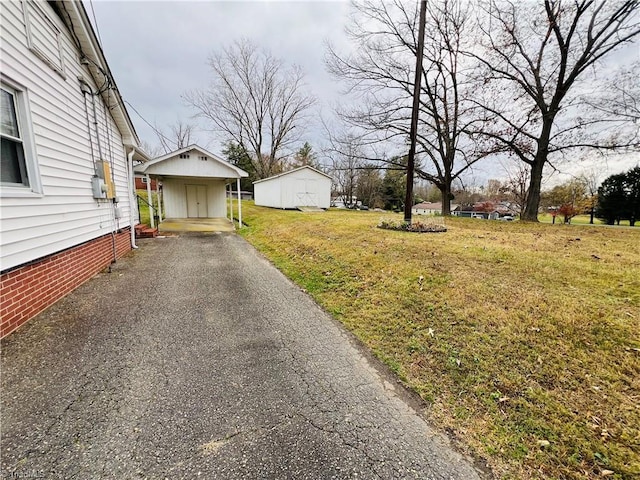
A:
{"x": 152, "y": 220}
{"x": 239, "y": 203}
{"x": 159, "y": 200}
{"x": 229, "y": 210}
{"x": 231, "y": 202}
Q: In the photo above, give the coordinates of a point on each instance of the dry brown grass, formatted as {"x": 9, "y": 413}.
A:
{"x": 515, "y": 334}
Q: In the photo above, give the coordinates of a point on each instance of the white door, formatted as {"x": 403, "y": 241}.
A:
{"x": 196, "y": 201}
{"x": 306, "y": 193}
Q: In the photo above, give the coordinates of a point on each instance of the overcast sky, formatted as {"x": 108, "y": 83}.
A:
{"x": 158, "y": 50}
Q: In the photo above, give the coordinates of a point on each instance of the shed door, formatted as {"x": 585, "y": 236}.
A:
{"x": 196, "y": 201}
{"x": 306, "y": 193}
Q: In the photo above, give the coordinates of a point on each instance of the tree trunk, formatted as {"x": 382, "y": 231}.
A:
{"x": 539, "y": 161}
{"x": 445, "y": 190}
{"x": 592, "y": 214}
{"x": 535, "y": 185}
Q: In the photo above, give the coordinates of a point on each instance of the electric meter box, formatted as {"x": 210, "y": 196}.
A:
{"x": 99, "y": 187}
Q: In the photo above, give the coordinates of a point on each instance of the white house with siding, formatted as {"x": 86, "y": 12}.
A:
{"x": 300, "y": 187}
{"x": 429, "y": 208}
{"x": 68, "y": 147}
{"x": 195, "y": 183}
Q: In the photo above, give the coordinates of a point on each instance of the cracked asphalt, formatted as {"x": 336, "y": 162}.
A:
{"x": 196, "y": 358}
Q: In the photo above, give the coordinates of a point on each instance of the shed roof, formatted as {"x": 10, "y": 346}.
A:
{"x": 288, "y": 172}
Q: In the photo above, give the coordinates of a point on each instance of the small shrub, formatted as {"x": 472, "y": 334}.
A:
{"x": 431, "y": 225}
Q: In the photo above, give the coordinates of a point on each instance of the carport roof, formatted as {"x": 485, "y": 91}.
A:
{"x": 172, "y": 164}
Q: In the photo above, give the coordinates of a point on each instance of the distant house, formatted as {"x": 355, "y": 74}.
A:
{"x": 485, "y": 210}
{"x": 342, "y": 201}
{"x": 429, "y": 208}
{"x": 301, "y": 187}
{"x": 68, "y": 145}
{"x": 195, "y": 182}
{"x": 141, "y": 183}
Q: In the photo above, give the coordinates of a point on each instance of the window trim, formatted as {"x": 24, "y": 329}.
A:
{"x": 25, "y": 127}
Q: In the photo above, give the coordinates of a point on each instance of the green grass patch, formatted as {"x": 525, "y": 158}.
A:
{"x": 144, "y": 208}
{"x": 517, "y": 334}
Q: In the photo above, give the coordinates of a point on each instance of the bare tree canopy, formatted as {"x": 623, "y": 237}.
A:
{"x": 346, "y": 162}
{"x": 256, "y": 101}
{"x": 381, "y": 71}
{"x": 539, "y": 61}
{"x": 181, "y": 135}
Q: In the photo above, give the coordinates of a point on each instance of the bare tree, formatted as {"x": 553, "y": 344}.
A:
{"x": 538, "y": 60}
{"x": 151, "y": 150}
{"x": 255, "y": 101}
{"x": 345, "y": 155}
{"x": 516, "y": 186}
{"x": 618, "y": 96}
{"x": 591, "y": 181}
{"x": 181, "y": 135}
{"x": 385, "y": 34}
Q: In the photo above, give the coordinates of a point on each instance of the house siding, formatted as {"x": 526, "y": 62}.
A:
{"x": 65, "y": 214}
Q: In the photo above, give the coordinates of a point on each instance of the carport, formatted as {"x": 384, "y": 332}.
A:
{"x": 195, "y": 186}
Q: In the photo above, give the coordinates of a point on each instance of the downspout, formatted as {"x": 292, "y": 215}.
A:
{"x": 132, "y": 199}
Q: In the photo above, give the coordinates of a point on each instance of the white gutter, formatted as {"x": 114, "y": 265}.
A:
{"x": 132, "y": 199}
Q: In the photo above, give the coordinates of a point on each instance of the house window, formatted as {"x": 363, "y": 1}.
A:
{"x": 184, "y": 155}
{"x": 144, "y": 179}
{"x": 203, "y": 158}
{"x": 14, "y": 168}
{"x": 17, "y": 168}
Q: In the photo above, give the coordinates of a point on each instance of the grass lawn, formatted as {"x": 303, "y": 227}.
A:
{"x": 144, "y": 208}
{"x": 524, "y": 339}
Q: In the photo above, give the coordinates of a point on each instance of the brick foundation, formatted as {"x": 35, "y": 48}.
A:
{"x": 27, "y": 290}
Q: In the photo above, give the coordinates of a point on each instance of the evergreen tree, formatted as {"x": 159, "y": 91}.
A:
{"x": 619, "y": 198}
{"x": 238, "y": 156}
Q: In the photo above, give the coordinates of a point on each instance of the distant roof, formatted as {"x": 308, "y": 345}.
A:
{"x": 431, "y": 206}
{"x": 292, "y": 171}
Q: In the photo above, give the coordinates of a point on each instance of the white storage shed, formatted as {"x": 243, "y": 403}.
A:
{"x": 301, "y": 187}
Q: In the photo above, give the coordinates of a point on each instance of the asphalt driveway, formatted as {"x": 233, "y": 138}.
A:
{"x": 195, "y": 358}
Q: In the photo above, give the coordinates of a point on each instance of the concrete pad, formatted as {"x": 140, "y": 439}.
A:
{"x": 196, "y": 225}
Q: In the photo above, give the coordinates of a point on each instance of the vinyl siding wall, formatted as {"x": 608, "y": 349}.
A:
{"x": 65, "y": 213}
